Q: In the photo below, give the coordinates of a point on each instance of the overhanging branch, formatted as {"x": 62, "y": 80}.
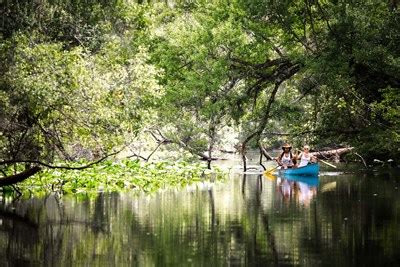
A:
{"x": 60, "y": 167}
{"x": 13, "y": 179}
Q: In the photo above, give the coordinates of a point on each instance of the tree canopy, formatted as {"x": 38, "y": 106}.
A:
{"x": 84, "y": 78}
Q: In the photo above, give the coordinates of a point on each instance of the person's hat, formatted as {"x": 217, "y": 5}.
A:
{"x": 286, "y": 146}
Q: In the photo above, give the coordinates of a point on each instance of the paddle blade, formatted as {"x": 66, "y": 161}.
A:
{"x": 269, "y": 171}
{"x": 269, "y": 176}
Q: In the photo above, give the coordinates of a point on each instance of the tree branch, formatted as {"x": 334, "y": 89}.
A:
{"x": 264, "y": 152}
{"x": 16, "y": 178}
{"x": 60, "y": 167}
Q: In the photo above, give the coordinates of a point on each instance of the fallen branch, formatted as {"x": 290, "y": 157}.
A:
{"x": 336, "y": 153}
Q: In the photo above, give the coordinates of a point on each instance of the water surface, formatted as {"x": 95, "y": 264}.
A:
{"x": 337, "y": 219}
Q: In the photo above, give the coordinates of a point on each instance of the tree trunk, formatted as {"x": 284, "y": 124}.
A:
{"x": 262, "y": 125}
{"x": 13, "y": 179}
{"x": 264, "y": 152}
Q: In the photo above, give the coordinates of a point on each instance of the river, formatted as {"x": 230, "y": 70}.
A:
{"x": 346, "y": 217}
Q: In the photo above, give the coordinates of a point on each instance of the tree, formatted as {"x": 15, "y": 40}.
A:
{"x": 347, "y": 56}
{"x": 59, "y": 100}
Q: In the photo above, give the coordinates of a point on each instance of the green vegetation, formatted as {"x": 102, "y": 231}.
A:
{"x": 83, "y": 79}
{"x": 124, "y": 175}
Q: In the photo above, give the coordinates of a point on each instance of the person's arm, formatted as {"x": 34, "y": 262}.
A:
{"x": 313, "y": 159}
{"x": 278, "y": 160}
{"x": 299, "y": 156}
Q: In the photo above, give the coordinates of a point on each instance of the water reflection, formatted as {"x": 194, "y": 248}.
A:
{"x": 247, "y": 220}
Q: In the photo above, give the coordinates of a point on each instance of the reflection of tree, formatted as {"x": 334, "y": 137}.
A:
{"x": 265, "y": 223}
{"x": 100, "y": 215}
{"x": 47, "y": 233}
{"x": 258, "y": 214}
{"x": 10, "y": 216}
{"x": 243, "y": 183}
{"x": 206, "y": 227}
{"x": 354, "y": 226}
{"x": 16, "y": 227}
{"x": 212, "y": 211}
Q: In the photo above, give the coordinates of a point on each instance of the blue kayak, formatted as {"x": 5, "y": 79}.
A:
{"x": 309, "y": 170}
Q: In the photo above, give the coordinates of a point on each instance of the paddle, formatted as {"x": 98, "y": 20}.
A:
{"x": 269, "y": 171}
{"x": 270, "y": 176}
{"x": 333, "y": 166}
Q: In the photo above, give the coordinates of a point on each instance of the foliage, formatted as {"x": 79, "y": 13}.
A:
{"x": 81, "y": 79}
{"x": 124, "y": 175}
{"x": 190, "y": 49}
{"x": 348, "y": 57}
{"x": 60, "y": 102}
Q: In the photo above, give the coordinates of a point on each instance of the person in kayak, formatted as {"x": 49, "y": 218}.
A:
{"x": 305, "y": 157}
{"x": 286, "y": 158}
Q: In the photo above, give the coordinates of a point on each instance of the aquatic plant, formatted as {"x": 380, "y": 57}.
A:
{"x": 123, "y": 175}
